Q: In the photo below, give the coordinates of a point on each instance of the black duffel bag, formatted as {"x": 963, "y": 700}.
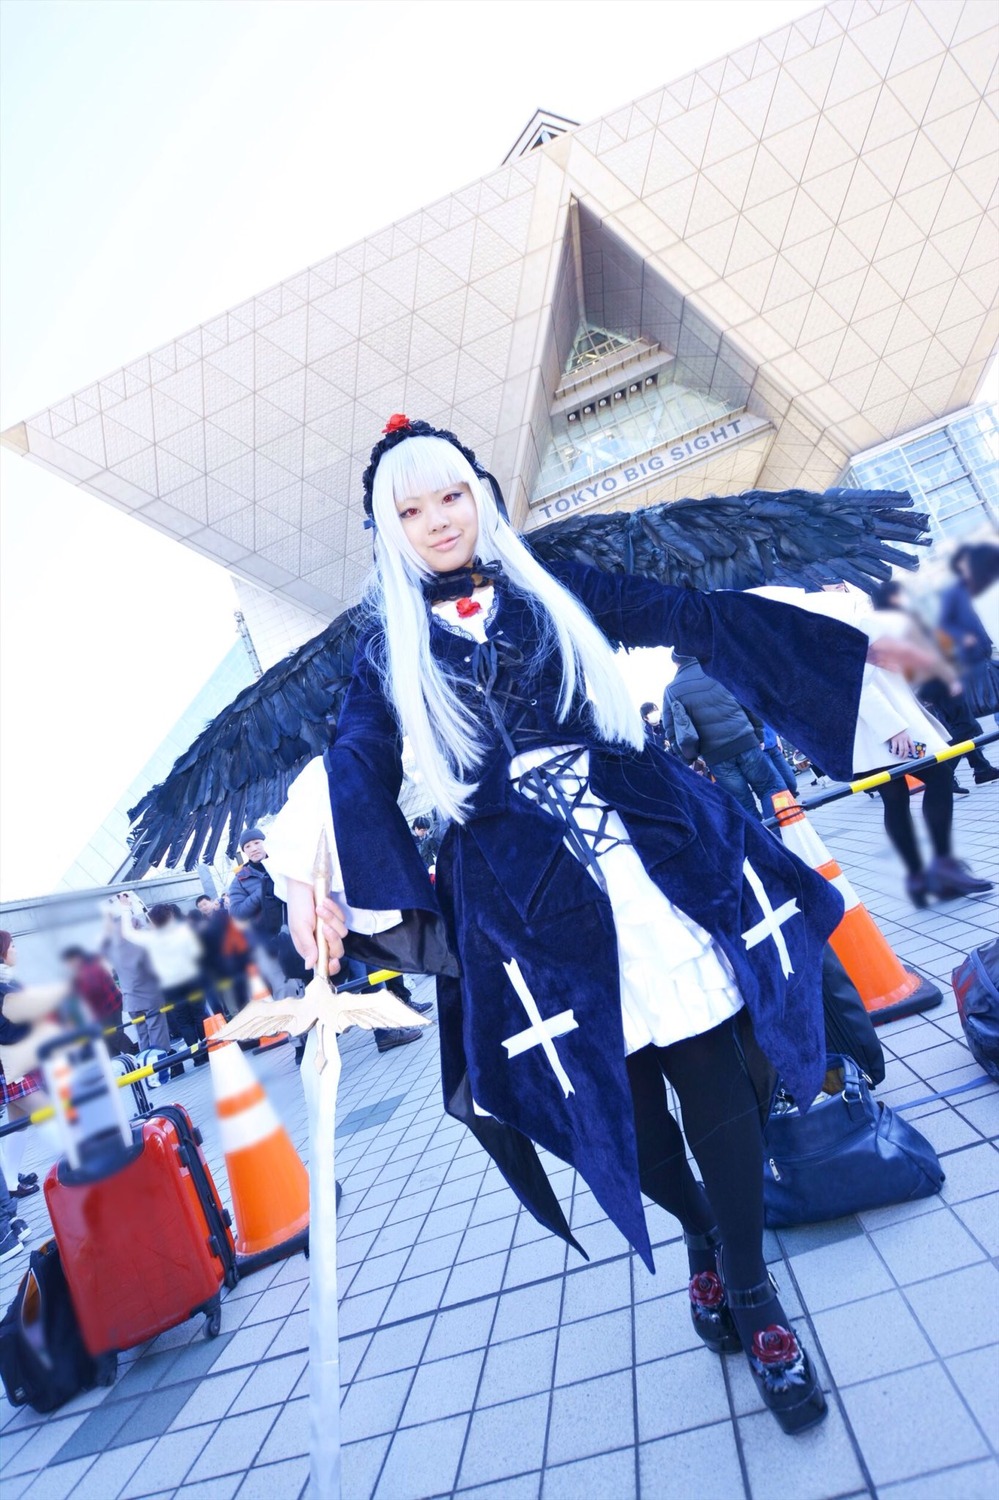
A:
{"x": 43, "y": 1361}
{"x": 849, "y": 1152}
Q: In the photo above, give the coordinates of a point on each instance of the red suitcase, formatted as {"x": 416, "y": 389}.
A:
{"x": 144, "y": 1240}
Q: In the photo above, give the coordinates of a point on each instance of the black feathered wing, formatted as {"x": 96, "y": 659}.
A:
{"x": 242, "y": 763}
{"x": 793, "y": 537}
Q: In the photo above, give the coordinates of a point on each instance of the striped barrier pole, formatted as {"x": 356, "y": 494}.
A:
{"x": 879, "y": 778}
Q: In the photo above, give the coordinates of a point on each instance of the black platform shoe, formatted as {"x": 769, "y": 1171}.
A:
{"x": 708, "y": 1308}
{"x": 784, "y": 1375}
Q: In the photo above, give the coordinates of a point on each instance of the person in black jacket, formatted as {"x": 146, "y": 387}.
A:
{"x": 728, "y": 737}
{"x": 253, "y": 904}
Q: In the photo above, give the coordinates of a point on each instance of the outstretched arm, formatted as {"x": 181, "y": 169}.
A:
{"x": 800, "y": 672}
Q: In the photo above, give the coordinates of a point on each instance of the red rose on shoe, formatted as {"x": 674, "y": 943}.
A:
{"x": 706, "y": 1290}
{"x": 466, "y": 607}
{"x": 775, "y": 1345}
{"x": 395, "y": 422}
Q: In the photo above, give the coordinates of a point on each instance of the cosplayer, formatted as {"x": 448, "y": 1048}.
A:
{"x": 601, "y": 921}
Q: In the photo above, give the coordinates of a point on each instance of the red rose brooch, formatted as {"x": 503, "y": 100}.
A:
{"x": 467, "y": 607}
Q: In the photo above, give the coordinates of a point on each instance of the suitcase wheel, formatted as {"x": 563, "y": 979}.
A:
{"x": 213, "y": 1323}
{"x": 231, "y": 1277}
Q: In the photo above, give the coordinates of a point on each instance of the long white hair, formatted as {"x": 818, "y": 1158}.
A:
{"x": 444, "y": 734}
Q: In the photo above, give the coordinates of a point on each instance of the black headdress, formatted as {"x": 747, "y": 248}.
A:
{"x": 396, "y": 430}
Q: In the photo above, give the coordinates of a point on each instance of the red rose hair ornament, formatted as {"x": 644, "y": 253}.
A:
{"x": 397, "y": 422}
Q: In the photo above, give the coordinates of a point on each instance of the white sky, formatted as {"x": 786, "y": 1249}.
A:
{"x": 161, "y": 160}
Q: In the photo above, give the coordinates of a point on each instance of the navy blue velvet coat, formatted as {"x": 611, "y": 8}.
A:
{"x": 507, "y": 886}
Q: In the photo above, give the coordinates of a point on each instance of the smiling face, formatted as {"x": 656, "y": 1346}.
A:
{"x": 442, "y": 527}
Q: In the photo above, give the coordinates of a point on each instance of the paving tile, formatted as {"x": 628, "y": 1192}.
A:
{"x": 981, "y": 1217}
{"x": 520, "y": 1367}
{"x": 597, "y": 1289}
{"x": 169, "y": 1461}
{"x": 378, "y": 1271}
{"x": 596, "y": 1346}
{"x": 111, "y": 1472}
{"x": 422, "y": 1461}
{"x": 90, "y": 1433}
{"x": 420, "y": 1295}
{"x": 663, "y": 1327}
{"x": 373, "y": 1406}
{"x": 959, "y": 1311}
{"x": 535, "y": 1262}
{"x": 458, "y": 1330}
{"x": 840, "y": 1273}
{"x": 873, "y": 1337}
{"x": 54, "y": 1483}
{"x": 397, "y": 1348}
{"x": 591, "y": 1417}
{"x": 284, "y": 1481}
{"x": 293, "y": 1335}
{"x": 970, "y": 1173}
{"x": 969, "y": 1482}
{"x": 813, "y": 1465}
{"x": 357, "y": 1315}
{"x": 926, "y": 1247}
{"x": 154, "y": 1415}
{"x": 210, "y": 1400}
{"x": 489, "y": 1239}
{"x": 233, "y": 1445}
{"x": 444, "y": 1388}
{"x": 527, "y": 1309}
{"x": 703, "y": 1463}
{"x": 222, "y": 1488}
{"x": 687, "y": 1390}
{"x": 475, "y": 1278}
{"x": 608, "y": 1474}
{"x": 360, "y": 1465}
{"x": 289, "y": 1436}
{"x": 246, "y": 1347}
{"x": 504, "y": 1440}
{"x": 270, "y": 1384}
{"x": 911, "y": 1422}
{"x": 975, "y": 1374}
{"x": 523, "y": 1487}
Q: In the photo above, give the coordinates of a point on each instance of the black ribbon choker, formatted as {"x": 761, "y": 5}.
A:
{"x": 443, "y": 587}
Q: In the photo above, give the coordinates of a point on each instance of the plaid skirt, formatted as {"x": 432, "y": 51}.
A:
{"x": 31, "y": 1083}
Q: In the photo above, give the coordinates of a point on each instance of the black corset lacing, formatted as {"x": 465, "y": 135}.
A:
{"x": 494, "y": 672}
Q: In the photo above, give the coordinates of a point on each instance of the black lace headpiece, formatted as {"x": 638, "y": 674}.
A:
{"x": 397, "y": 429}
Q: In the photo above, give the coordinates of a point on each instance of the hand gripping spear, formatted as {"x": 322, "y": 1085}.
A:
{"x": 323, "y": 1013}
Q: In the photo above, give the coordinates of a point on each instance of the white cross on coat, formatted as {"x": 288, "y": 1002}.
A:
{"x": 772, "y": 922}
{"x": 540, "y": 1032}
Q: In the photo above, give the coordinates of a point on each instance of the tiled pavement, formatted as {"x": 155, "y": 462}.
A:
{"x": 479, "y": 1358}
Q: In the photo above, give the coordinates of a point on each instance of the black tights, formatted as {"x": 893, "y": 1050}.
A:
{"x": 938, "y": 810}
{"x": 721, "y": 1120}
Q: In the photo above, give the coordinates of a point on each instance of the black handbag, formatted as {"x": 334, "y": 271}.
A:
{"x": 849, "y": 1152}
{"x": 43, "y": 1362}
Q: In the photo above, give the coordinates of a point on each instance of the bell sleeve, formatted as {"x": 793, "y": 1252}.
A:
{"x": 799, "y": 671}
{"x": 380, "y": 865}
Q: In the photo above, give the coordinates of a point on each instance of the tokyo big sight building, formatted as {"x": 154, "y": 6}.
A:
{"x": 751, "y": 277}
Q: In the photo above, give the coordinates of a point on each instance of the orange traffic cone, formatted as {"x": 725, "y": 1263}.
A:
{"x": 260, "y": 991}
{"x": 268, "y": 1184}
{"x": 888, "y": 989}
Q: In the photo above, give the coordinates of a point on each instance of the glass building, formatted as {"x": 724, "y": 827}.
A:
{"x": 950, "y": 467}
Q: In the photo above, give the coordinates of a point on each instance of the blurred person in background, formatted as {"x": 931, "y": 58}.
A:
{"x": 94, "y": 984}
{"x": 175, "y": 954}
{"x": 652, "y": 718}
{"x": 426, "y": 841}
{"x": 14, "y": 1230}
{"x": 773, "y": 749}
{"x": 892, "y": 728}
{"x": 728, "y": 738}
{"x": 254, "y": 905}
{"x": 140, "y": 989}
{"x": 969, "y": 610}
{"x": 27, "y": 1019}
{"x": 940, "y": 689}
